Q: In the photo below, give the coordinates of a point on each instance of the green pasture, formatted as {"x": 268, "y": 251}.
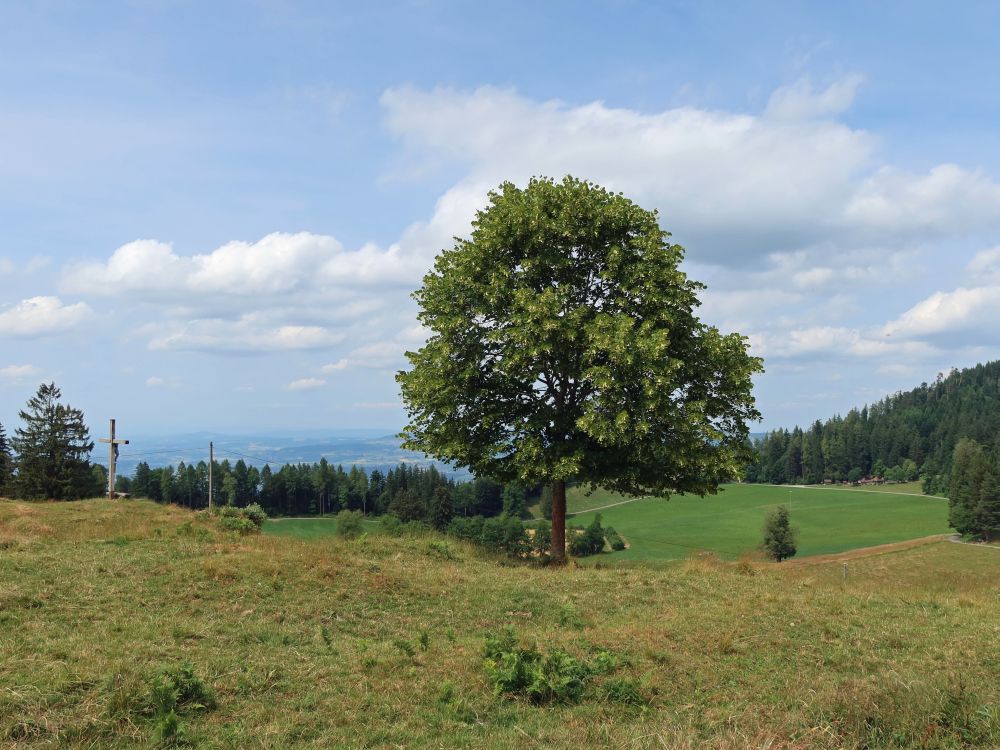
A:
{"x": 828, "y": 519}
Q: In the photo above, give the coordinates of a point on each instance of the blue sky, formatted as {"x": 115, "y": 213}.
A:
{"x": 212, "y": 213}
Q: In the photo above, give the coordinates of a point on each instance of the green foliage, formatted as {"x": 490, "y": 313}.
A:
{"x": 441, "y": 509}
{"x": 176, "y": 690}
{"x": 779, "y": 537}
{"x": 550, "y": 677}
{"x": 255, "y": 513}
{"x": 974, "y": 490}
{"x": 53, "y": 448}
{"x": 505, "y": 534}
{"x": 236, "y": 520}
{"x": 589, "y": 541}
{"x": 541, "y": 541}
{"x": 6, "y": 463}
{"x": 470, "y": 529}
{"x": 614, "y": 539}
{"x": 350, "y": 524}
{"x": 564, "y": 345}
{"x": 910, "y": 435}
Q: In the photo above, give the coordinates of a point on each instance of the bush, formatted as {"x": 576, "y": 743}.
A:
{"x": 174, "y": 691}
{"x": 505, "y": 534}
{"x": 542, "y": 678}
{"x": 255, "y": 513}
{"x": 614, "y": 539}
{"x": 390, "y": 525}
{"x": 469, "y": 528}
{"x": 242, "y": 520}
{"x": 349, "y": 524}
{"x": 541, "y": 542}
{"x": 591, "y": 541}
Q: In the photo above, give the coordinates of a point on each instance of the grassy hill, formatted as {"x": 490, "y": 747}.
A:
{"x": 729, "y": 524}
{"x": 378, "y": 642}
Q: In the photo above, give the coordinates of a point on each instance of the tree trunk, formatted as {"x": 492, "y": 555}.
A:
{"x": 559, "y": 522}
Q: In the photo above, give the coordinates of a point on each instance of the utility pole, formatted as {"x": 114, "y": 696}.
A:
{"x": 112, "y": 458}
{"x": 211, "y": 460}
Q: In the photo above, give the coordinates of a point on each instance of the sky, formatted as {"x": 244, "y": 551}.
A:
{"x": 212, "y": 215}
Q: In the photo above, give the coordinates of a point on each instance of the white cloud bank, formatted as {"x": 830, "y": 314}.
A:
{"x": 16, "y": 373}
{"x": 39, "y": 316}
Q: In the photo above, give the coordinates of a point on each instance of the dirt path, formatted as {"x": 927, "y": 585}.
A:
{"x": 880, "y": 549}
{"x": 956, "y": 539}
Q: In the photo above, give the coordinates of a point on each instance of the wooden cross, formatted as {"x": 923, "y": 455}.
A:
{"x": 112, "y": 459}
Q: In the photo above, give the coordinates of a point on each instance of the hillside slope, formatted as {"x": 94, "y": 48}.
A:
{"x": 910, "y": 434}
{"x": 378, "y": 642}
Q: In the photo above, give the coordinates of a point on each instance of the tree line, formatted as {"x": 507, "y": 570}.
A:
{"x": 411, "y": 492}
{"x": 907, "y": 436}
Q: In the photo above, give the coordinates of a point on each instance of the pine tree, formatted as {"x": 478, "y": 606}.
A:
{"x": 53, "y": 449}
{"x": 6, "y": 462}
{"x": 441, "y": 509}
{"x": 779, "y": 536}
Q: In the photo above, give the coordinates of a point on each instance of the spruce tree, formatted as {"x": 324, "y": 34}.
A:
{"x": 53, "y": 449}
{"x": 441, "y": 508}
{"x": 779, "y": 536}
{"x": 6, "y": 462}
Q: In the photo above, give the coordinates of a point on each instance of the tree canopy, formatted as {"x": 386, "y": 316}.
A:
{"x": 564, "y": 346}
{"x": 53, "y": 449}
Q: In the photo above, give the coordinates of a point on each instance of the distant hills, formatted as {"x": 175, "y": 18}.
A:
{"x": 370, "y": 449}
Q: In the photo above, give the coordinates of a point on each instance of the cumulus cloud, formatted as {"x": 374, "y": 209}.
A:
{"x": 42, "y": 315}
{"x": 18, "y": 372}
{"x": 250, "y": 333}
{"x": 277, "y": 265}
{"x": 306, "y": 384}
{"x": 378, "y": 355}
{"x": 965, "y": 310}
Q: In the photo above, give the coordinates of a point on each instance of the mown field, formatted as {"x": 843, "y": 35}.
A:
{"x": 729, "y": 523}
{"x": 326, "y": 643}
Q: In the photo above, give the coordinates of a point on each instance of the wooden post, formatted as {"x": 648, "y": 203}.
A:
{"x": 112, "y": 458}
{"x": 211, "y": 460}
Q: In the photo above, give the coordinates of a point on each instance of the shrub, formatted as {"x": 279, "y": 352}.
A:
{"x": 591, "y": 541}
{"x": 390, "y": 525}
{"x": 469, "y": 528}
{"x": 255, "y": 513}
{"x": 349, "y": 524}
{"x": 505, "y": 534}
{"x": 542, "y": 678}
{"x": 173, "y": 691}
{"x": 541, "y": 542}
{"x": 614, "y": 539}
{"x": 241, "y": 520}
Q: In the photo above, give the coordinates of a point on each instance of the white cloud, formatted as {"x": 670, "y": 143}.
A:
{"x": 306, "y": 384}
{"x": 985, "y": 265}
{"x": 969, "y": 310}
{"x": 379, "y": 355}
{"x": 799, "y": 101}
{"x": 733, "y": 187}
{"x": 277, "y": 265}
{"x": 155, "y": 381}
{"x": 250, "y": 333}
{"x": 19, "y": 372}
{"x": 42, "y": 315}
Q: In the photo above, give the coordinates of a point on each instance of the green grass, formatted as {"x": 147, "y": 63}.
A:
{"x": 378, "y": 642}
{"x": 307, "y": 528}
{"x": 729, "y": 524}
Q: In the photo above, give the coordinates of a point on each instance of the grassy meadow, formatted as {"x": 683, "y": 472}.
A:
{"x": 729, "y": 524}
{"x": 378, "y": 642}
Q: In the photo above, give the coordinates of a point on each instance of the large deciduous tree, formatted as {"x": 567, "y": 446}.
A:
{"x": 564, "y": 345}
{"x": 53, "y": 449}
